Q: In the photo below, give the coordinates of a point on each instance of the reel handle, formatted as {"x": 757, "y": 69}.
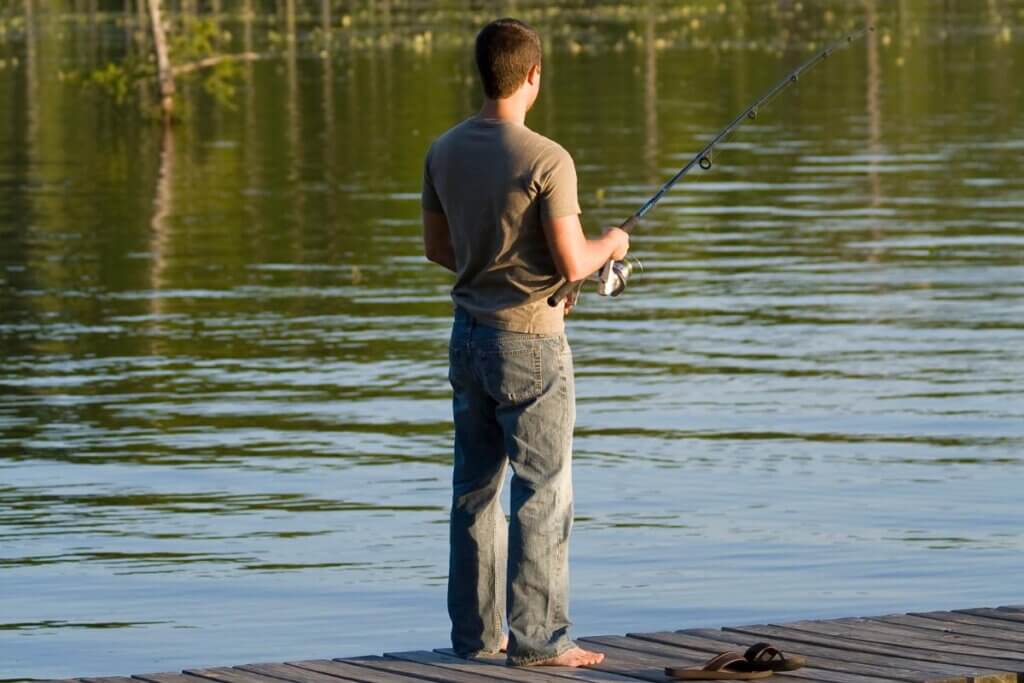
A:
{"x": 605, "y": 271}
{"x": 608, "y": 282}
{"x": 606, "y": 285}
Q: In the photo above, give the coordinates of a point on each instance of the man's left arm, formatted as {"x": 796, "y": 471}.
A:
{"x": 437, "y": 239}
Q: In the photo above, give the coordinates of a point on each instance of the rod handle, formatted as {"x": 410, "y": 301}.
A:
{"x": 629, "y": 223}
{"x": 568, "y": 287}
{"x": 563, "y": 291}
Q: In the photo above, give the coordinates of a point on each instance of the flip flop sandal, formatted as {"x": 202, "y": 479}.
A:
{"x": 765, "y": 657}
{"x": 729, "y": 665}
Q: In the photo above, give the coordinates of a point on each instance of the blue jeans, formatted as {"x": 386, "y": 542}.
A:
{"x": 514, "y": 402}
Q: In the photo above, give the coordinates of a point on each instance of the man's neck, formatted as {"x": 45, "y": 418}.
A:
{"x": 506, "y": 109}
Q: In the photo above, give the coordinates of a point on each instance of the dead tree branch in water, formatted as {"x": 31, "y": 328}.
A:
{"x": 165, "y": 72}
{"x": 213, "y": 61}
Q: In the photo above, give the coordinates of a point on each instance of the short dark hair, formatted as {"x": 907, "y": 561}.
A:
{"x": 505, "y": 51}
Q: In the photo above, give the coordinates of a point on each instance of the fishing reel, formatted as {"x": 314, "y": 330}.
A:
{"x": 612, "y": 279}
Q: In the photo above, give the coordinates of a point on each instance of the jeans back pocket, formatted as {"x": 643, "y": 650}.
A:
{"x": 513, "y": 373}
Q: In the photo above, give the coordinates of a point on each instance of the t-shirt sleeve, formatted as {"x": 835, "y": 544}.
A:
{"x": 428, "y": 198}
{"x": 558, "y": 192}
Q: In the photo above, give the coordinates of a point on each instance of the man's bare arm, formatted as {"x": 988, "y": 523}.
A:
{"x": 437, "y": 240}
{"x": 575, "y": 256}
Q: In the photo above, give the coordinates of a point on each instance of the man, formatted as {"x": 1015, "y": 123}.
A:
{"x": 500, "y": 210}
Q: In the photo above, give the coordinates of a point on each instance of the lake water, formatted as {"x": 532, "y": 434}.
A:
{"x": 224, "y": 417}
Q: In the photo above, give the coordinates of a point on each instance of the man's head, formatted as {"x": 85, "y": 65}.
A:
{"x": 508, "y": 55}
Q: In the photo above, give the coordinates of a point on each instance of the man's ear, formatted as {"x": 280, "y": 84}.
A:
{"x": 533, "y": 75}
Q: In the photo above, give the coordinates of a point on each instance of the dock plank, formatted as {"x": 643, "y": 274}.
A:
{"x": 886, "y": 634}
{"x": 227, "y": 674}
{"x": 496, "y": 668}
{"x": 896, "y": 663}
{"x": 169, "y": 677}
{"x": 714, "y": 641}
{"x": 1012, "y": 616}
{"x": 988, "y": 640}
{"x": 992, "y": 633}
{"x": 631, "y": 664}
{"x": 549, "y": 674}
{"x": 295, "y": 674}
{"x": 429, "y": 672}
{"x": 958, "y": 618}
{"x": 894, "y": 650}
{"x": 663, "y": 655}
{"x": 351, "y": 672}
{"x": 680, "y": 658}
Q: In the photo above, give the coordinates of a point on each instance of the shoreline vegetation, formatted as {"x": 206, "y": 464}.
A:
{"x": 144, "y": 49}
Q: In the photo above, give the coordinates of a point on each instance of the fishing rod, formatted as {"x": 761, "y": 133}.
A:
{"x": 612, "y": 277}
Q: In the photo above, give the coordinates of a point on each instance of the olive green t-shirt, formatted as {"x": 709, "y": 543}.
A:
{"x": 495, "y": 181}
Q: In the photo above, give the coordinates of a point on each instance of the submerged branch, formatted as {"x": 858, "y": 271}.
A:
{"x": 217, "y": 59}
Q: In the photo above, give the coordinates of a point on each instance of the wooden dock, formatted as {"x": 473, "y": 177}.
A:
{"x": 983, "y": 645}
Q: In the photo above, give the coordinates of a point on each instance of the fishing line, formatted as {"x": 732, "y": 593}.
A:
{"x": 613, "y": 276}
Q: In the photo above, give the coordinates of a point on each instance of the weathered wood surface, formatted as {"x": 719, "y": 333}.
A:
{"x": 980, "y": 645}
{"x": 824, "y": 656}
{"x": 547, "y": 675}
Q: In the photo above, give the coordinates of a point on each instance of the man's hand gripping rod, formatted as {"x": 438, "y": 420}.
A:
{"x": 614, "y": 274}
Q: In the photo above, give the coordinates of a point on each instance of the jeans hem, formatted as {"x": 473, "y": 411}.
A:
{"x": 476, "y": 654}
{"x": 533, "y": 659}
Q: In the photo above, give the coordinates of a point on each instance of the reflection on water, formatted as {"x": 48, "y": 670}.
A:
{"x": 224, "y": 420}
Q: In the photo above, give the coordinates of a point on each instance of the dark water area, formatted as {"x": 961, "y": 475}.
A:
{"x": 224, "y": 416}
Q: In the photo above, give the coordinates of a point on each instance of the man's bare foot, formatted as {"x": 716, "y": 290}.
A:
{"x": 576, "y": 656}
{"x": 504, "y": 643}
